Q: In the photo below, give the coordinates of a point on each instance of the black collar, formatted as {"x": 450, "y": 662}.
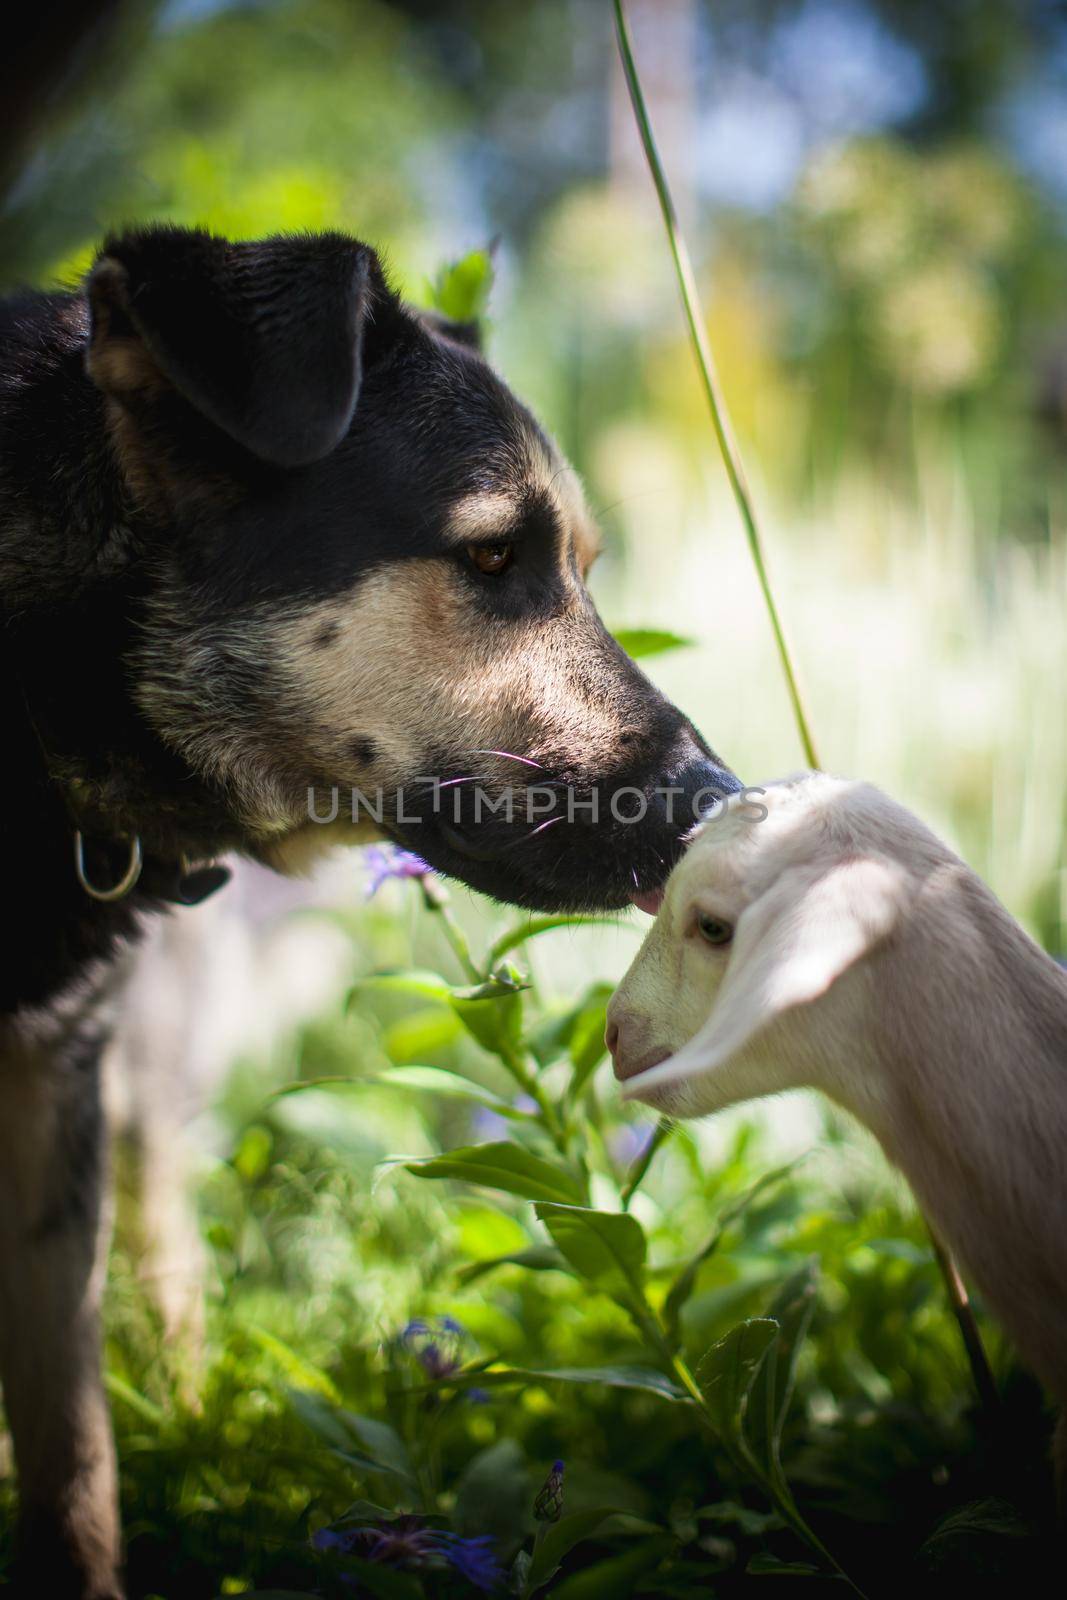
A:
{"x": 110, "y": 865}
{"x": 110, "y": 868}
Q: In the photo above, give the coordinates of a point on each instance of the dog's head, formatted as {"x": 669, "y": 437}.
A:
{"x": 368, "y": 573}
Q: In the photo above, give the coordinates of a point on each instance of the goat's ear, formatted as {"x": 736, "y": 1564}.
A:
{"x": 263, "y": 339}
{"x": 790, "y": 946}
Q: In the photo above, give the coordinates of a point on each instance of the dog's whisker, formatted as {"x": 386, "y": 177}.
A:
{"x": 541, "y": 826}
{"x": 508, "y": 755}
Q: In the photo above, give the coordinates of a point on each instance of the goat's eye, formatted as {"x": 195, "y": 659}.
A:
{"x": 492, "y": 559}
{"x": 713, "y": 930}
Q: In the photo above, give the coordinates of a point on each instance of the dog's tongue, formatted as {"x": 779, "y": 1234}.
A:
{"x": 648, "y": 900}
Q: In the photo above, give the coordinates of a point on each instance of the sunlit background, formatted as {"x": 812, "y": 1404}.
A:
{"x": 875, "y": 195}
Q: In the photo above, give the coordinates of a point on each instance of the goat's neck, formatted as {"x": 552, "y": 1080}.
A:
{"x": 965, "y": 1087}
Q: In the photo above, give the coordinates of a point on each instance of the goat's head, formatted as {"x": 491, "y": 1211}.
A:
{"x": 755, "y": 977}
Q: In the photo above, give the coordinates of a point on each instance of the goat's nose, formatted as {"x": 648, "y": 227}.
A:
{"x": 629, "y": 1037}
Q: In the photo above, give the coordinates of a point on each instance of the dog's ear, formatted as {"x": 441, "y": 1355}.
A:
{"x": 262, "y": 339}
{"x": 790, "y": 947}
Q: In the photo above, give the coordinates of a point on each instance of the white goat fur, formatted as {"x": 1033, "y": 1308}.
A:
{"x": 869, "y": 962}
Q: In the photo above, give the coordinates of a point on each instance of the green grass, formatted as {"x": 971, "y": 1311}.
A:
{"x": 693, "y": 1466}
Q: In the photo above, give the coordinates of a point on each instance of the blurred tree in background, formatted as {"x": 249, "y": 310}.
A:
{"x": 869, "y": 187}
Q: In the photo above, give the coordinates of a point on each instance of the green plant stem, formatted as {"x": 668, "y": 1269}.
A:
{"x": 662, "y": 1132}
{"x": 526, "y": 1077}
{"x": 731, "y": 455}
{"x": 705, "y": 361}
{"x": 740, "y": 1456}
{"x": 435, "y": 898}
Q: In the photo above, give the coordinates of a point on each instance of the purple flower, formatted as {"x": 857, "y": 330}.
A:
{"x": 473, "y": 1559}
{"x": 403, "y": 1543}
{"x": 435, "y": 1345}
{"x": 389, "y": 861}
{"x": 332, "y": 1539}
{"x": 630, "y": 1141}
{"x": 486, "y": 1124}
{"x": 408, "y": 1543}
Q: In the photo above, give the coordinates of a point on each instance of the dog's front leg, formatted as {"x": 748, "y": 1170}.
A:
{"x": 53, "y": 1242}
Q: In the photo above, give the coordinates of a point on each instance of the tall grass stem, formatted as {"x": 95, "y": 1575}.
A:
{"x": 709, "y": 379}
{"x": 735, "y": 471}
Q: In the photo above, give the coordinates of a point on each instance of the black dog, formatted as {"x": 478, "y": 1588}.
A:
{"x": 264, "y": 531}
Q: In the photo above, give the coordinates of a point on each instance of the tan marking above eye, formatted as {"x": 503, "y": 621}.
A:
{"x": 480, "y": 516}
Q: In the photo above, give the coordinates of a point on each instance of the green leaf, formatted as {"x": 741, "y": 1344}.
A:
{"x": 729, "y": 1370}
{"x": 532, "y": 927}
{"x": 420, "y": 1033}
{"x": 983, "y": 1539}
{"x": 751, "y": 1523}
{"x": 646, "y": 1379}
{"x": 365, "y": 1443}
{"x": 502, "y": 1166}
{"x": 494, "y": 1495}
{"x": 147, "y": 1410}
{"x": 253, "y": 1153}
{"x": 586, "y": 1045}
{"x": 559, "y": 1540}
{"x": 686, "y": 1281}
{"x": 298, "y": 1370}
{"x": 494, "y": 1020}
{"x": 538, "y": 1258}
{"x": 385, "y": 1583}
{"x": 426, "y": 1080}
{"x": 551, "y": 1036}
{"x": 271, "y": 1594}
{"x": 520, "y": 1569}
{"x": 382, "y": 1441}
{"x": 768, "y": 1401}
{"x": 462, "y": 288}
{"x": 508, "y": 981}
{"x": 438, "y": 1080}
{"x": 429, "y": 985}
{"x": 639, "y": 642}
{"x": 361, "y": 1511}
{"x": 616, "y": 1578}
{"x": 606, "y": 1247}
{"x": 766, "y": 1565}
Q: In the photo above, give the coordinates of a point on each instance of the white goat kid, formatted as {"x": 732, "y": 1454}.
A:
{"x": 835, "y": 943}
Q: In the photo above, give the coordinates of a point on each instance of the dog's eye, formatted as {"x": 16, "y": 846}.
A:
{"x": 713, "y": 930}
{"x": 491, "y": 559}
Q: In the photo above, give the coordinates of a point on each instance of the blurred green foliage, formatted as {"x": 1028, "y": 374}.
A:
{"x": 890, "y": 333}
{"x": 732, "y": 1359}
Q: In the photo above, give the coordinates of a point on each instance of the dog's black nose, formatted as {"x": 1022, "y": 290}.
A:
{"x": 693, "y": 780}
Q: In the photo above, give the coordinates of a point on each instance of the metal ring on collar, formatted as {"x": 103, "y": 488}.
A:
{"x": 125, "y": 883}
